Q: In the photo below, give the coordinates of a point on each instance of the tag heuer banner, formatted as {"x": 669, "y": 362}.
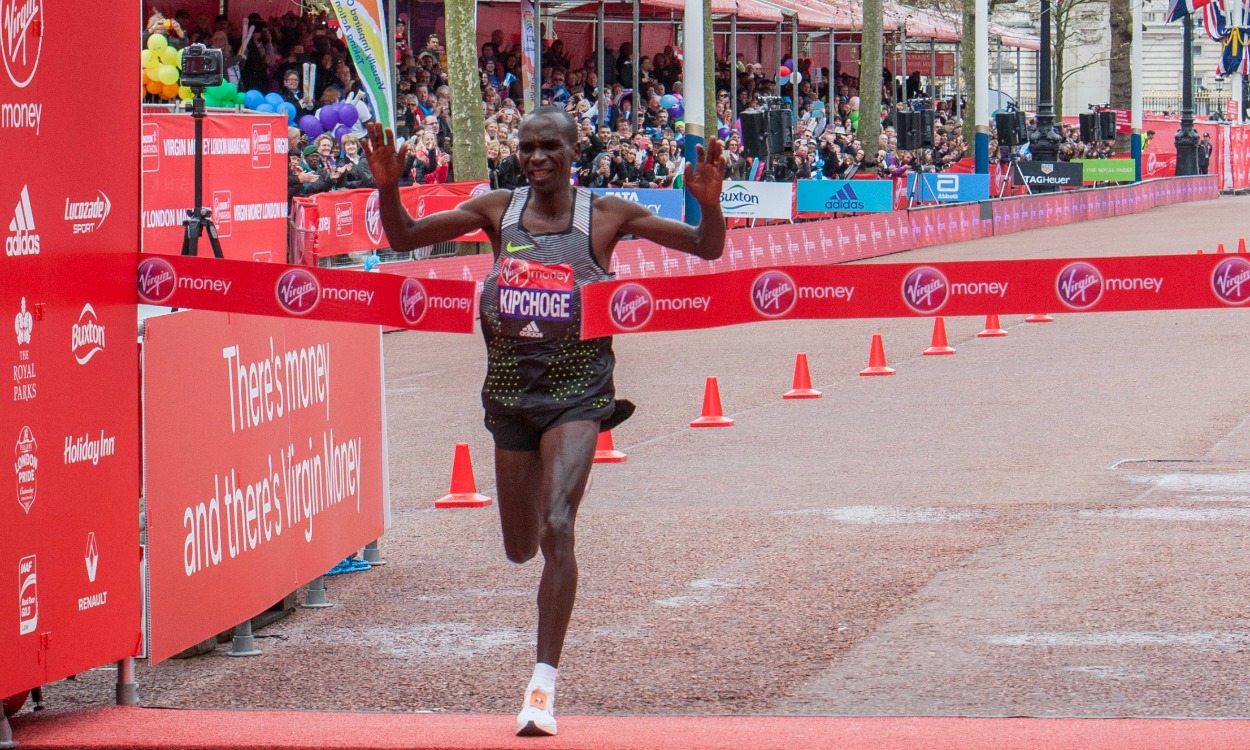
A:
{"x": 1050, "y": 173}
{"x": 364, "y": 28}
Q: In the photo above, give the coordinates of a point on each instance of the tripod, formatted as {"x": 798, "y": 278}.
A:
{"x": 1014, "y": 169}
{"x": 199, "y": 219}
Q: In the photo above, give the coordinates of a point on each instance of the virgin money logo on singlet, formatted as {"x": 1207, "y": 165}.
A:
{"x": 298, "y": 291}
{"x": 373, "y": 218}
{"x": 534, "y": 291}
{"x": 925, "y": 290}
{"x": 1231, "y": 281}
{"x": 631, "y": 306}
{"x": 21, "y": 36}
{"x": 412, "y": 300}
{"x": 157, "y": 279}
{"x": 773, "y": 294}
{"x": 1079, "y": 285}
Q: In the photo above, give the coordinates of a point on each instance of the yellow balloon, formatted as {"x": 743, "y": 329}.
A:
{"x": 148, "y": 57}
{"x": 185, "y": 94}
{"x": 157, "y": 42}
{"x": 167, "y": 75}
{"x": 169, "y": 56}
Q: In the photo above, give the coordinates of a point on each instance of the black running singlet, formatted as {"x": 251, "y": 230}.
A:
{"x": 531, "y": 317}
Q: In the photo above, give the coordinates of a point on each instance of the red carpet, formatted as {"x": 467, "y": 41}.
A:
{"x": 126, "y": 728}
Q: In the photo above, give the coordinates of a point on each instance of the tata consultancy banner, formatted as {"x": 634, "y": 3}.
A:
{"x": 1049, "y": 173}
{"x": 945, "y": 187}
{"x": 245, "y": 167}
{"x": 69, "y": 207}
{"x": 661, "y": 202}
{"x": 742, "y": 199}
{"x": 264, "y": 474}
{"x": 1108, "y": 170}
{"x": 845, "y": 196}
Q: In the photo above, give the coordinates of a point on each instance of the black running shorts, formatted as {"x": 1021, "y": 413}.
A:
{"x": 523, "y": 431}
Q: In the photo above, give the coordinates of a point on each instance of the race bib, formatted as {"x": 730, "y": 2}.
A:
{"x": 533, "y": 291}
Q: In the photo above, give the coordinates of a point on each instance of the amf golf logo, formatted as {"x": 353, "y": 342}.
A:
{"x": 631, "y": 306}
{"x": 925, "y": 290}
{"x": 1079, "y": 285}
{"x": 412, "y": 301}
{"x": 1231, "y": 281}
{"x": 298, "y": 291}
{"x": 773, "y": 294}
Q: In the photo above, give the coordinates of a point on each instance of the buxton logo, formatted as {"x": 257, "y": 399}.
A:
{"x": 738, "y": 198}
{"x": 925, "y": 289}
{"x": 373, "y": 218}
{"x": 21, "y": 33}
{"x": 1079, "y": 285}
{"x": 412, "y": 300}
{"x": 631, "y": 307}
{"x": 157, "y": 279}
{"x": 298, "y": 291}
{"x": 86, "y": 336}
{"x": 773, "y": 294}
{"x": 1231, "y": 281}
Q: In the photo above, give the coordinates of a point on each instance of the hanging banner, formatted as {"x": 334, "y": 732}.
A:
{"x": 364, "y": 27}
{"x": 529, "y": 54}
{"x": 1155, "y": 282}
{"x": 745, "y": 199}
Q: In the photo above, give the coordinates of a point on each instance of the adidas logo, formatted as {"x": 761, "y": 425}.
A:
{"x": 846, "y": 194}
{"x": 23, "y": 240}
{"x": 844, "y": 199}
{"x": 531, "y": 331}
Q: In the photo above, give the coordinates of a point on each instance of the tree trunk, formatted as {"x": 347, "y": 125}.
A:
{"x": 870, "y": 81}
{"x": 1057, "y": 65}
{"x": 1122, "y": 32}
{"x": 468, "y": 145}
{"x": 968, "y": 69}
{"x": 709, "y": 74}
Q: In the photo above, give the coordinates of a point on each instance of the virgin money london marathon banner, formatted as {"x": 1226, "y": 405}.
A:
{"x": 262, "y": 475}
{"x": 742, "y": 199}
{"x": 69, "y": 497}
{"x": 845, "y": 196}
{"x": 1049, "y": 173}
{"x": 1157, "y": 282}
{"x": 245, "y": 167}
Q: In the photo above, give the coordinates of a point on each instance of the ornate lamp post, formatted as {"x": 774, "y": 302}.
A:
{"x": 1044, "y": 142}
{"x": 1187, "y": 137}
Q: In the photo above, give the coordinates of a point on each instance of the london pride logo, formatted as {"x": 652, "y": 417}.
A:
{"x": 1079, "y": 285}
{"x": 1231, "y": 281}
{"x": 298, "y": 291}
{"x": 412, "y": 301}
{"x": 157, "y": 279}
{"x": 773, "y": 294}
{"x": 631, "y": 307}
{"x": 925, "y": 289}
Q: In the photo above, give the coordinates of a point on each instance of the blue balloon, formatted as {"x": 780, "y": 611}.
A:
{"x": 265, "y": 107}
{"x": 253, "y": 99}
{"x": 311, "y": 126}
{"x": 329, "y": 116}
{"x": 275, "y": 99}
{"x": 288, "y": 109}
{"x": 668, "y": 101}
{"x": 348, "y": 114}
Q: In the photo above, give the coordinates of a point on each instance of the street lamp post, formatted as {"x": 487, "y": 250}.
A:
{"x": 1187, "y": 137}
{"x": 1044, "y": 141}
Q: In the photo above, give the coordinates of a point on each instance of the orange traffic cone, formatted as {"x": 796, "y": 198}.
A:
{"x": 463, "y": 488}
{"x": 993, "y": 329}
{"x": 1241, "y": 245}
{"x": 712, "y": 416}
{"x": 802, "y": 380}
{"x": 1219, "y": 249}
{"x": 1039, "y": 318}
{"x": 938, "y": 344}
{"x": 605, "y": 452}
{"x": 876, "y": 359}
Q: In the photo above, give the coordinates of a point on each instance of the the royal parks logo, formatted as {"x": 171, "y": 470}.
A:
{"x": 925, "y": 290}
{"x": 631, "y": 307}
{"x": 1231, "y": 281}
{"x": 157, "y": 279}
{"x": 773, "y": 294}
{"x": 298, "y": 291}
{"x": 412, "y": 301}
{"x": 1079, "y": 285}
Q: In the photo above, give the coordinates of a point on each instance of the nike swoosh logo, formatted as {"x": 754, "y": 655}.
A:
{"x": 518, "y": 248}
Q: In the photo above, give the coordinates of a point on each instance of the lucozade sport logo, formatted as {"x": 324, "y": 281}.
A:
{"x": 773, "y": 294}
{"x": 21, "y": 36}
{"x": 298, "y": 291}
{"x": 925, "y": 289}
{"x": 157, "y": 279}
{"x": 631, "y": 306}
{"x": 1231, "y": 281}
{"x": 1079, "y": 285}
{"x": 412, "y": 300}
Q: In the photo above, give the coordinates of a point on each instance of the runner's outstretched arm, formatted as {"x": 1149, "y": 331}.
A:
{"x": 707, "y": 240}
{"x": 403, "y": 231}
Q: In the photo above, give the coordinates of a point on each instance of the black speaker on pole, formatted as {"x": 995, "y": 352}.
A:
{"x": 1089, "y": 127}
{"x": 1022, "y": 128}
{"x": 907, "y": 127}
{"x": 780, "y": 130}
{"x": 1106, "y": 125}
{"x": 1005, "y": 125}
{"x": 754, "y": 133}
{"x": 926, "y": 128}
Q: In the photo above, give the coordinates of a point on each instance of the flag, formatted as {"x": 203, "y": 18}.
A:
{"x": 1179, "y": 8}
{"x": 364, "y": 27}
{"x": 1214, "y": 20}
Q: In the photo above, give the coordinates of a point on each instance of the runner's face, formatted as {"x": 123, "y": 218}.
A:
{"x": 545, "y": 152}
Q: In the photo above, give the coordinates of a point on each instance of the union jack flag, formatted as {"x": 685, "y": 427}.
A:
{"x": 1179, "y": 8}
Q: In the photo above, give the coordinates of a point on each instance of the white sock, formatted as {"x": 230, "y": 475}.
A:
{"x": 544, "y": 678}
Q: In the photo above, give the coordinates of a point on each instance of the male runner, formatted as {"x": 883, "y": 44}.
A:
{"x": 547, "y": 393}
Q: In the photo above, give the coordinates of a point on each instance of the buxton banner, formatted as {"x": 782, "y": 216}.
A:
{"x": 245, "y": 166}
{"x": 1157, "y": 282}
{"x": 744, "y": 199}
{"x": 264, "y": 463}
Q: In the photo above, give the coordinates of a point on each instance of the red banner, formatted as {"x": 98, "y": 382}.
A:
{"x": 349, "y": 221}
{"x": 264, "y": 463}
{"x": 1157, "y": 282}
{"x": 922, "y": 62}
{"x": 1240, "y": 156}
{"x": 307, "y": 292}
{"x": 245, "y": 167}
{"x": 69, "y": 494}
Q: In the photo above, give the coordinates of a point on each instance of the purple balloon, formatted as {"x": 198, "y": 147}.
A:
{"x": 722, "y": 133}
{"x": 348, "y": 114}
{"x": 675, "y": 113}
{"x": 329, "y": 116}
{"x": 340, "y": 131}
{"x": 311, "y": 126}
{"x": 789, "y": 63}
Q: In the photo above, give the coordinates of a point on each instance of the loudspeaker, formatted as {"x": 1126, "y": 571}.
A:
{"x": 1106, "y": 125}
{"x": 907, "y": 127}
{"x": 754, "y": 133}
{"x": 926, "y": 128}
{"x": 1022, "y": 128}
{"x": 1005, "y": 123}
{"x": 1089, "y": 127}
{"x": 780, "y": 130}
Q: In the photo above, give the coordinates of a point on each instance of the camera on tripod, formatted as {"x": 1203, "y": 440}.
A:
{"x": 202, "y": 67}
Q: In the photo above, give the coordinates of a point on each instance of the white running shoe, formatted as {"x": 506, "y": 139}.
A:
{"x": 537, "y": 717}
